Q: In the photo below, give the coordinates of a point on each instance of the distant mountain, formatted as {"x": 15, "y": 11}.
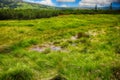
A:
{"x": 19, "y": 4}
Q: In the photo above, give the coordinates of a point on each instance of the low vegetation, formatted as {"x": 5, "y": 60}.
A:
{"x": 17, "y": 73}
{"x": 24, "y": 14}
{"x": 65, "y": 47}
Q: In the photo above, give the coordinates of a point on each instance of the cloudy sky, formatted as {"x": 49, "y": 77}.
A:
{"x": 74, "y": 3}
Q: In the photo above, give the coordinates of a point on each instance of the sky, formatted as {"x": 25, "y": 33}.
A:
{"x": 76, "y": 3}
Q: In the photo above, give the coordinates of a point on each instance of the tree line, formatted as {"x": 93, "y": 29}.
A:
{"x": 26, "y": 13}
{"x": 37, "y": 13}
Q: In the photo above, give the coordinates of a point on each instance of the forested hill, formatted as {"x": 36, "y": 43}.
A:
{"x": 19, "y": 4}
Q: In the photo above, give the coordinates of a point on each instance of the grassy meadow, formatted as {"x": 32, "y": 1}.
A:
{"x": 66, "y": 47}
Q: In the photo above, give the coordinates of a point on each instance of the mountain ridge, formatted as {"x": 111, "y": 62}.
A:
{"x": 20, "y": 4}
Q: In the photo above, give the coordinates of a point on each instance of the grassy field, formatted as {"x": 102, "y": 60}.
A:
{"x": 67, "y": 47}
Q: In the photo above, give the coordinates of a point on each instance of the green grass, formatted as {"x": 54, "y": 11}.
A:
{"x": 95, "y": 55}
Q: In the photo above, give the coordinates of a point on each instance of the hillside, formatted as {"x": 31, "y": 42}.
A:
{"x": 19, "y": 4}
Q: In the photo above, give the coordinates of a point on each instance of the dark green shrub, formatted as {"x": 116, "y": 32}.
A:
{"x": 116, "y": 72}
{"x": 58, "y": 77}
{"x": 118, "y": 49}
{"x": 18, "y": 73}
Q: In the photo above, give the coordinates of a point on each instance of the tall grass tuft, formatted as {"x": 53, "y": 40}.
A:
{"x": 17, "y": 73}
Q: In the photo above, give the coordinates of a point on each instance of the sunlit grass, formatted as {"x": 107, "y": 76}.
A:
{"x": 94, "y": 55}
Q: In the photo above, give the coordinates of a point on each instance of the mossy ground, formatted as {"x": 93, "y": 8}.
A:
{"x": 92, "y": 57}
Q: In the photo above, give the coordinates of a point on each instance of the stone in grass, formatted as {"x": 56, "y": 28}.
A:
{"x": 81, "y": 34}
{"x": 73, "y": 37}
{"x": 46, "y": 48}
{"x": 58, "y": 77}
{"x": 55, "y": 48}
{"x": 38, "y": 49}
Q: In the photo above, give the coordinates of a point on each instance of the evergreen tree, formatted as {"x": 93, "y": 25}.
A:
{"x": 111, "y": 6}
{"x": 96, "y": 7}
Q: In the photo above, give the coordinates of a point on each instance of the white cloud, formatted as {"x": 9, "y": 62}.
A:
{"x": 92, "y": 3}
{"x": 99, "y": 1}
{"x": 63, "y": 5}
{"x": 46, "y": 2}
{"x": 87, "y": 5}
{"x": 65, "y": 0}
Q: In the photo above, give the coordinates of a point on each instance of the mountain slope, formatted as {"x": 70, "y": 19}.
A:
{"x": 19, "y": 4}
